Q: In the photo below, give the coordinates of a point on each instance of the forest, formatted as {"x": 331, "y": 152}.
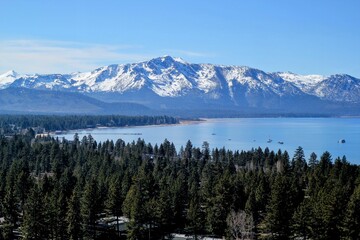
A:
{"x": 15, "y": 123}
{"x": 60, "y": 189}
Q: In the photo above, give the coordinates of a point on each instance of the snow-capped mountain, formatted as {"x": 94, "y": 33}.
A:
{"x": 7, "y": 78}
{"x": 338, "y": 88}
{"x": 44, "y": 82}
{"x": 304, "y": 82}
{"x": 169, "y": 82}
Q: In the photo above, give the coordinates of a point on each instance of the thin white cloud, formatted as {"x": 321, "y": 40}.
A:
{"x": 38, "y": 56}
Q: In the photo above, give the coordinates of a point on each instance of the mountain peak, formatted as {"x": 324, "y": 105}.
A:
{"x": 168, "y": 76}
{"x": 180, "y": 60}
{"x": 10, "y": 73}
{"x": 8, "y": 78}
{"x": 167, "y": 60}
{"x": 166, "y": 57}
{"x": 340, "y": 76}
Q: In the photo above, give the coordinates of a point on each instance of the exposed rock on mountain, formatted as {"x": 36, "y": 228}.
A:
{"x": 171, "y": 83}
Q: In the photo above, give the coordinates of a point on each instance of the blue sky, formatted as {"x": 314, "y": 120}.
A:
{"x": 301, "y": 36}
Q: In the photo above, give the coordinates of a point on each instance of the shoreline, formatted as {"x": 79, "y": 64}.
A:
{"x": 188, "y": 122}
{"x": 240, "y": 133}
{"x": 181, "y": 123}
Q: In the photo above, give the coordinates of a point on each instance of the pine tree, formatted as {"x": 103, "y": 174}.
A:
{"x": 221, "y": 202}
{"x": 137, "y": 201}
{"x": 262, "y": 193}
{"x": 195, "y": 214}
{"x": 313, "y": 160}
{"x": 162, "y": 211}
{"x": 195, "y": 217}
{"x": 302, "y": 220}
{"x": 34, "y": 222}
{"x": 73, "y": 216}
{"x": 352, "y": 217}
{"x": 298, "y": 162}
{"x": 90, "y": 207}
{"x": 328, "y": 211}
{"x": 59, "y": 207}
{"x": 278, "y": 212}
{"x": 23, "y": 183}
{"x": 115, "y": 200}
{"x": 133, "y": 208}
{"x": 252, "y": 209}
{"x": 179, "y": 193}
{"x": 10, "y": 205}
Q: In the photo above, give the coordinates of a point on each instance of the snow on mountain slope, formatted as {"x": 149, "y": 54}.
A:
{"x": 113, "y": 78}
{"x": 165, "y": 76}
{"x": 339, "y": 88}
{"x": 206, "y": 77}
{"x": 44, "y": 82}
{"x": 7, "y": 78}
{"x": 257, "y": 79}
{"x": 304, "y": 82}
{"x": 173, "y": 77}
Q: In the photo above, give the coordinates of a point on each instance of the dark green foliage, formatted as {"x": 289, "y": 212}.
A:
{"x": 11, "y": 203}
{"x": 279, "y": 209}
{"x": 35, "y": 221}
{"x": 90, "y": 207}
{"x": 11, "y": 123}
{"x": 302, "y": 221}
{"x": 73, "y": 216}
{"x": 114, "y": 199}
{"x": 195, "y": 215}
{"x": 220, "y": 204}
{"x": 53, "y": 189}
{"x": 352, "y": 217}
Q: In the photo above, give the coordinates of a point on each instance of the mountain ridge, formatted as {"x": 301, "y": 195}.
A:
{"x": 172, "y": 83}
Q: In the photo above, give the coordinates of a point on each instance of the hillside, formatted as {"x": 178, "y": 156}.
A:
{"x": 170, "y": 85}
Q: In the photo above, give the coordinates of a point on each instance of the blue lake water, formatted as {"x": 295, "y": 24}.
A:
{"x": 313, "y": 134}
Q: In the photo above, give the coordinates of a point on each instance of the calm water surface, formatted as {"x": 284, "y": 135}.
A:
{"x": 313, "y": 134}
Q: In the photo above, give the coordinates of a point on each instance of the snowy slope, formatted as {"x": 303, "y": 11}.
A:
{"x": 7, "y": 78}
{"x": 305, "y": 82}
{"x": 44, "y": 82}
{"x": 339, "y": 88}
{"x": 168, "y": 77}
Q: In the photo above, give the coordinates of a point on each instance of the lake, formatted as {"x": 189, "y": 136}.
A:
{"x": 313, "y": 134}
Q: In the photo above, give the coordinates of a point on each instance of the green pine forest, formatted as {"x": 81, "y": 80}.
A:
{"x": 11, "y": 123}
{"x": 59, "y": 189}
